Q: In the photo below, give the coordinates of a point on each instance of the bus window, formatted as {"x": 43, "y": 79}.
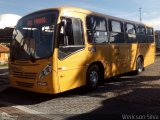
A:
{"x": 141, "y": 34}
{"x": 97, "y": 30}
{"x": 70, "y": 37}
{"x": 116, "y": 32}
{"x": 150, "y": 37}
{"x": 34, "y": 36}
{"x": 130, "y": 33}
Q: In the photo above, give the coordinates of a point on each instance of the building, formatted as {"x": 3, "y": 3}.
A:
{"x": 6, "y": 35}
{"x": 4, "y": 54}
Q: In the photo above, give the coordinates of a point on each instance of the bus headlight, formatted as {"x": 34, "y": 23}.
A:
{"x": 45, "y": 71}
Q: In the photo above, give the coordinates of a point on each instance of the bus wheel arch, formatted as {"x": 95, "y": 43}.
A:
{"x": 94, "y": 75}
{"x": 139, "y": 64}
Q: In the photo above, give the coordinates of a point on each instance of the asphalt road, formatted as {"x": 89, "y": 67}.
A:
{"x": 125, "y": 97}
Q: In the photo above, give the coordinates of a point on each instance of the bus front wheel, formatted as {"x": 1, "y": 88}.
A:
{"x": 93, "y": 76}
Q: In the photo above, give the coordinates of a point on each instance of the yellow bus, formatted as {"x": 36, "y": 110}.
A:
{"x": 59, "y": 49}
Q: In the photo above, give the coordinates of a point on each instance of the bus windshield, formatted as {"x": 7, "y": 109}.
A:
{"x": 33, "y": 36}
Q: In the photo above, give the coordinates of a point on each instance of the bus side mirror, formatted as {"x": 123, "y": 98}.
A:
{"x": 62, "y": 32}
{"x": 62, "y": 28}
{"x": 63, "y": 25}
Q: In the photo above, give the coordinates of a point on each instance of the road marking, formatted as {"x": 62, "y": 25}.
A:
{"x": 27, "y": 110}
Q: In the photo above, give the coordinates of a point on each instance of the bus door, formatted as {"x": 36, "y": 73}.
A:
{"x": 71, "y": 63}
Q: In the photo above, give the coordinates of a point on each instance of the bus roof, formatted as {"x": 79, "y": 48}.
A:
{"x": 76, "y": 9}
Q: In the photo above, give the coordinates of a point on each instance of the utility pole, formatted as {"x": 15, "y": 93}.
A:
{"x": 140, "y": 14}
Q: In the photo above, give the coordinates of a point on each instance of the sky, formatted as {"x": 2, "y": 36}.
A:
{"x": 127, "y": 9}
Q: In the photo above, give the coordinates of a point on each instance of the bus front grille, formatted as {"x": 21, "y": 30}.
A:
{"x": 24, "y": 75}
{"x": 22, "y": 84}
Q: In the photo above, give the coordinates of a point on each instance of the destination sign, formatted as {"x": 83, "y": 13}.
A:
{"x": 37, "y": 21}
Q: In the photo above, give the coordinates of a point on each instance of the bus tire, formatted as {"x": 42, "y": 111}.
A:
{"x": 139, "y": 65}
{"x": 93, "y": 77}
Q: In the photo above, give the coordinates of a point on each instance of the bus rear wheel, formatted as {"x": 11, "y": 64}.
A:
{"x": 139, "y": 65}
{"x": 93, "y": 76}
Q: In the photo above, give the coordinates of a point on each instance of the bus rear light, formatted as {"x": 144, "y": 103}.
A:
{"x": 45, "y": 71}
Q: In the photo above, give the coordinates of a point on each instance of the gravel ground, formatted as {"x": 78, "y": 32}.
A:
{"x": 122, "y": 95}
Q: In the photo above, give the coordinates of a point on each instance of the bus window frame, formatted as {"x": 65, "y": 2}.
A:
{"x": 125, "y": 26}
{"x": 110, "y": 30}
{"x": 55, "y": 32}
{"x": 83, "y": 38}
{"x": 107, "y": 29}
{"x": 151, "y": 35}
{"x": 137, "y": 34}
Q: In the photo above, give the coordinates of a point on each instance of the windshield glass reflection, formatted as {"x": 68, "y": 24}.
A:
{"x": 33, "y": 37}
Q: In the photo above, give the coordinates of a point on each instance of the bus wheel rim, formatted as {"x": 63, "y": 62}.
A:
{"x": 140, "y": 66}
{"x": 93, "y": 78}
